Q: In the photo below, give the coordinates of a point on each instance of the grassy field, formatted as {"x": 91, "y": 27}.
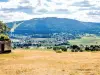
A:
{"x": 91, "y": 40}
{"x": 39, "y": 62}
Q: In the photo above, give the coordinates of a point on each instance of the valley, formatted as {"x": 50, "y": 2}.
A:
{"x": 51, "y": 31}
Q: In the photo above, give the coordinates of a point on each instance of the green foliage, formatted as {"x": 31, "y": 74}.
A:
{"x": 63, "y": 48}
{"x": 14, "y": 48}
{"x": 3, "y": 37}
{"x": 49, "y": 47}
{"x": 55, "y": 48}
{"x": 58, "y": 51}
{"x": 3, "y": 27}
{"x": 86, "y": 40}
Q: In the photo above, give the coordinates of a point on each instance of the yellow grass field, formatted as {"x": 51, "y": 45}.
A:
{"x": 39, "y": 62}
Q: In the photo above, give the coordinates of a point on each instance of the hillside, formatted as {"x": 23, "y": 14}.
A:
{"x": 52, "y": 25}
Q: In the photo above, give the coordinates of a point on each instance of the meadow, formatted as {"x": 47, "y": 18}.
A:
{"x": 43, "y": 62}
{"x": 86, "y": 40}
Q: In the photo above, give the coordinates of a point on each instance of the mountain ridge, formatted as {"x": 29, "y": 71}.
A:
{"x": 52, "y": 25}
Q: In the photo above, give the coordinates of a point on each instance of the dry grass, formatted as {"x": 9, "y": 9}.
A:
{"x": 33, "y": 62}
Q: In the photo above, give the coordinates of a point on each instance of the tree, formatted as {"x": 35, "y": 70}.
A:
{"x": 3, "y": 28}
{"x": 3, "y": 31}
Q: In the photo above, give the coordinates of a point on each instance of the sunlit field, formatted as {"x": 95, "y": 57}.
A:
{"x": 92, "y": 40}
{"x": 42, "y": 62}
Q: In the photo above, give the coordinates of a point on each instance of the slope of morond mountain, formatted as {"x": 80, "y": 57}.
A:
{"x": 52, "y": 25}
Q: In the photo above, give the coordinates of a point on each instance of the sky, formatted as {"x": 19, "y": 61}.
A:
{"x": 82, "y": 10}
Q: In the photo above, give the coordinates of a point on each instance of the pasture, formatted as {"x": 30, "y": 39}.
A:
{"x": 42, "y": 62}
{"x": 90, "y": 40}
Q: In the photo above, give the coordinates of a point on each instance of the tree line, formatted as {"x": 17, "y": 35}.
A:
{"x": 76, "y": 48}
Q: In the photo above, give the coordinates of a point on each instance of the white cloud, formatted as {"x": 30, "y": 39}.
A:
{"x": 83, "y": 10}
{"x": 14, "y": 16}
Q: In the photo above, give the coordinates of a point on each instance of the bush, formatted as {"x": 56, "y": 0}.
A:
{"x": 63, "y": 48}
{"x": 14, "y": 47}
{"x": 72, "y": 50}
{"x": 49, "y": 47}
{"x": 4, "y": 37}
{"x": 58, "y": 51}
{"x": 56, "y": 48}
{"x": 60, "y": 48}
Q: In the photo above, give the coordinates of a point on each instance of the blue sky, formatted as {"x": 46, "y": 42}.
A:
{"x": 83, "y": 10}
{"x": 3, "y": 0}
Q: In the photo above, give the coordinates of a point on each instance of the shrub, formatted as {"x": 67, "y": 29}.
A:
{"x": 58, "y": 51}
{"x": 59, "y": 48}
{"x": 49, "y": 47}
{"x": 63, "y": 48}
{"x": 72, "y": 50}
{"x": 4, "y": 37}
{"x": 14, "y": 47}
{"x": 81, "y": 50}
{"x": 56, "y": 48}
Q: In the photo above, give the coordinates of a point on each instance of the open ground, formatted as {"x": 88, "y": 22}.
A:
{"x": 90, "y": 40}
{"x": 42, "y": 62}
